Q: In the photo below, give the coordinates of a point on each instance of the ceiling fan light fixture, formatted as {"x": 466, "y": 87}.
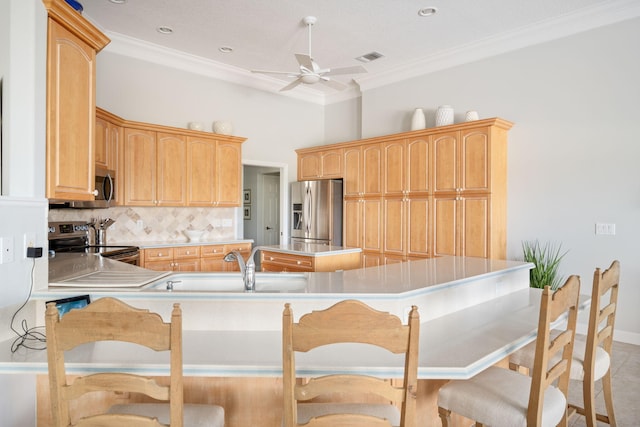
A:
{"x": 310, "y": 79}
{"x": 427, "y": 11}
{"x": 163, "y": 29}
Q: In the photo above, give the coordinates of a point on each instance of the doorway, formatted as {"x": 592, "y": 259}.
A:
{"x": 264, "y": 213}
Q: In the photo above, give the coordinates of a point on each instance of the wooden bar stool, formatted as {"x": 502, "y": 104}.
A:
{"x": 591, "y": 356}
{"x": 109, "y": 319}
{"x": 501, "y": 397}
{"x": 350, "y": 321}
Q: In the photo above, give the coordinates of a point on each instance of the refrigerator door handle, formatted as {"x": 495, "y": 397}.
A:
{"x": 307, "y": 216}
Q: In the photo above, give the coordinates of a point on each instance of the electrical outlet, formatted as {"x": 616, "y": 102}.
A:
{"x": 605, "y": 229}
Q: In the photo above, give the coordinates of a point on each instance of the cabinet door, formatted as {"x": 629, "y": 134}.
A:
{"x": 70, "y": 115}
{"x": 201, "y": 155}
{"x": 394, "y": 168}
{"x": 115, "y": 159}
{"x": 372, "y": 226}
{"x": 445, "y": 219}
{"x": 394, "y": 225}
{"x": 102, "y": 144}
{"x": 352, "y": 172}
{"x": 474, "y": 160}
{"x": 351, "y": 226}
{"x": 418, "y": 164}
{"x": 139, "y": 167}
{"x": 372, "y": 172}
{"x": 186, "y": 265}
{"x": 228, "y": 173}
{"x": 417, "y": 231}
{"x": 474, "y": 226}
{"x": 445, "y": 163}
{"x": 171, "y": 187}
{"x": 331, "y": 164}
{"x": 309, "y": 166}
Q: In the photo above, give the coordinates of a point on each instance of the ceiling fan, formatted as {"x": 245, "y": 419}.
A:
{"x": 310, "y": 72}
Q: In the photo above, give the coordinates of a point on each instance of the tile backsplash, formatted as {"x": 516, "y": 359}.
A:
{"x": 156, "y": 224}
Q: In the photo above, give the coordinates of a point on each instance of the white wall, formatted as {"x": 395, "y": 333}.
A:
{"x": 22, "y": 203}
{"x": 573, "y": 151}
{"x": 273, "y": 125}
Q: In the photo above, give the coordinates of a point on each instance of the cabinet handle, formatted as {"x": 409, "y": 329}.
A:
{"x": 298, "y": 262}
{"x": 188, "y": 253}
{"x": 94, "y": 192}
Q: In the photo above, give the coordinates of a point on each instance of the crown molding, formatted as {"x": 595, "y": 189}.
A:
{"x": 583, "y": 20}
{"x": 150, "y": 52}
{"x": 564, "y": 26}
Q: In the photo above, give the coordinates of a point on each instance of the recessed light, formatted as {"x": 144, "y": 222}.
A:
{"x": 118, "y": 1}
{"x": 225, "y": 49}
{"x": 164, "y": 30}
{"x": 427, "y": 11}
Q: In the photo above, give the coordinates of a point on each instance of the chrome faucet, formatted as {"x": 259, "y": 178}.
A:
{"x": 247, "y": 269}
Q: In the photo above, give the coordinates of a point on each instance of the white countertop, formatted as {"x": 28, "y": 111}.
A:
{"x": 310, "y": 249}
{"x": 473, "y": 311}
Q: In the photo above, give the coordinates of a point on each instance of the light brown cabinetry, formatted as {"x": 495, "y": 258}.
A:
{"x": 178, "y": 258}
{"x": 470, "y": 169}
{"x": 155, "y": 168}
{"x": 212, "y": 256}
{"x": 439, "y": 191}
{"x": 319, "y": 164}
{"x": 72, "y": 44}
{"x": 275, "y": 261}
{"x": 166, "y": 166}
{"x": 192, "y": 258}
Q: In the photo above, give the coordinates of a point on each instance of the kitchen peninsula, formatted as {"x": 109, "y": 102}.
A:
{"x": 474, "y": 312}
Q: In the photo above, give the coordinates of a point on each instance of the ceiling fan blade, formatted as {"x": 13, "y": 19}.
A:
{"x": 291, "y": 85}
{"x": 306, "y": 61}
{"x": 346, "y": 70}
{"x": 290, "y": 73}
{"x": 332, "y": 84}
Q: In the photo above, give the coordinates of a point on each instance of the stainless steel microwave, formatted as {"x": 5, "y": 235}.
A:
{"x": 104, "y": 192}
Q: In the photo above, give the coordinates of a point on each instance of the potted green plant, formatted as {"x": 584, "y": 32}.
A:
{"x": 546, "y": 258}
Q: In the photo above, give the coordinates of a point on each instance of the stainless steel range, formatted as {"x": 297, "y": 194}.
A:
{"x": 73, "y": 236}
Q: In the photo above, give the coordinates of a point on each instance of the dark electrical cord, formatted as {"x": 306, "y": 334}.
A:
{"x": 30, "y": 338}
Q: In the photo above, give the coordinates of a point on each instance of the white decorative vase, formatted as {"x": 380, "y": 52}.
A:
{"x": 223, "y": 127}
{"x": 444, "y": 115}
{"x": 195, "y": 126}
{"x": 471, "y": 116}
{"x": 417, "y": 120}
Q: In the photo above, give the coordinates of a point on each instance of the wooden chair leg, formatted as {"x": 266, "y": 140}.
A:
{"x": 588, "y": 396}
{"x": 445, "y": 416}
{"x": 608, "y": 399}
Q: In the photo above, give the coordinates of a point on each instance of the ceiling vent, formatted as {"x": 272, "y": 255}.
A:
{"x": 372, "y": 56}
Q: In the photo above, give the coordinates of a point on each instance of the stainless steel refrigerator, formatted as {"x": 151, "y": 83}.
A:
{"x": 316, "y": 212}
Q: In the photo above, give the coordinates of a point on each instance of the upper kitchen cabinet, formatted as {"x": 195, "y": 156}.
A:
{"x": 319, "y": 164}
{"x": 166, "y": 166}
{"x": 155, "y": 166}
{"x": 363, "y": 174}
{"x": 72, "y": 44}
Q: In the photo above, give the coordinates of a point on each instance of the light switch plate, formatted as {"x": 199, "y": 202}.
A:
{"x": 6, "y": 250}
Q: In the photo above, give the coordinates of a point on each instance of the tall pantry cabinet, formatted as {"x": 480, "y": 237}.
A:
{"x": 433, "y": 192}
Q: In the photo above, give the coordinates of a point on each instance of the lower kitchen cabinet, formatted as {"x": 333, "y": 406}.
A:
{"x": 193, "y": 258}
{"x": 274, "y": 261}
{"x": 212, "y": 256}
{"x": 179, "y": 258}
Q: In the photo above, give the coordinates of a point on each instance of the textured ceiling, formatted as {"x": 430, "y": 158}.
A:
{"x": 266, "y": 34}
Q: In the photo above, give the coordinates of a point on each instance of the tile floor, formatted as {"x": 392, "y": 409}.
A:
{"x": 626, "y": 388}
